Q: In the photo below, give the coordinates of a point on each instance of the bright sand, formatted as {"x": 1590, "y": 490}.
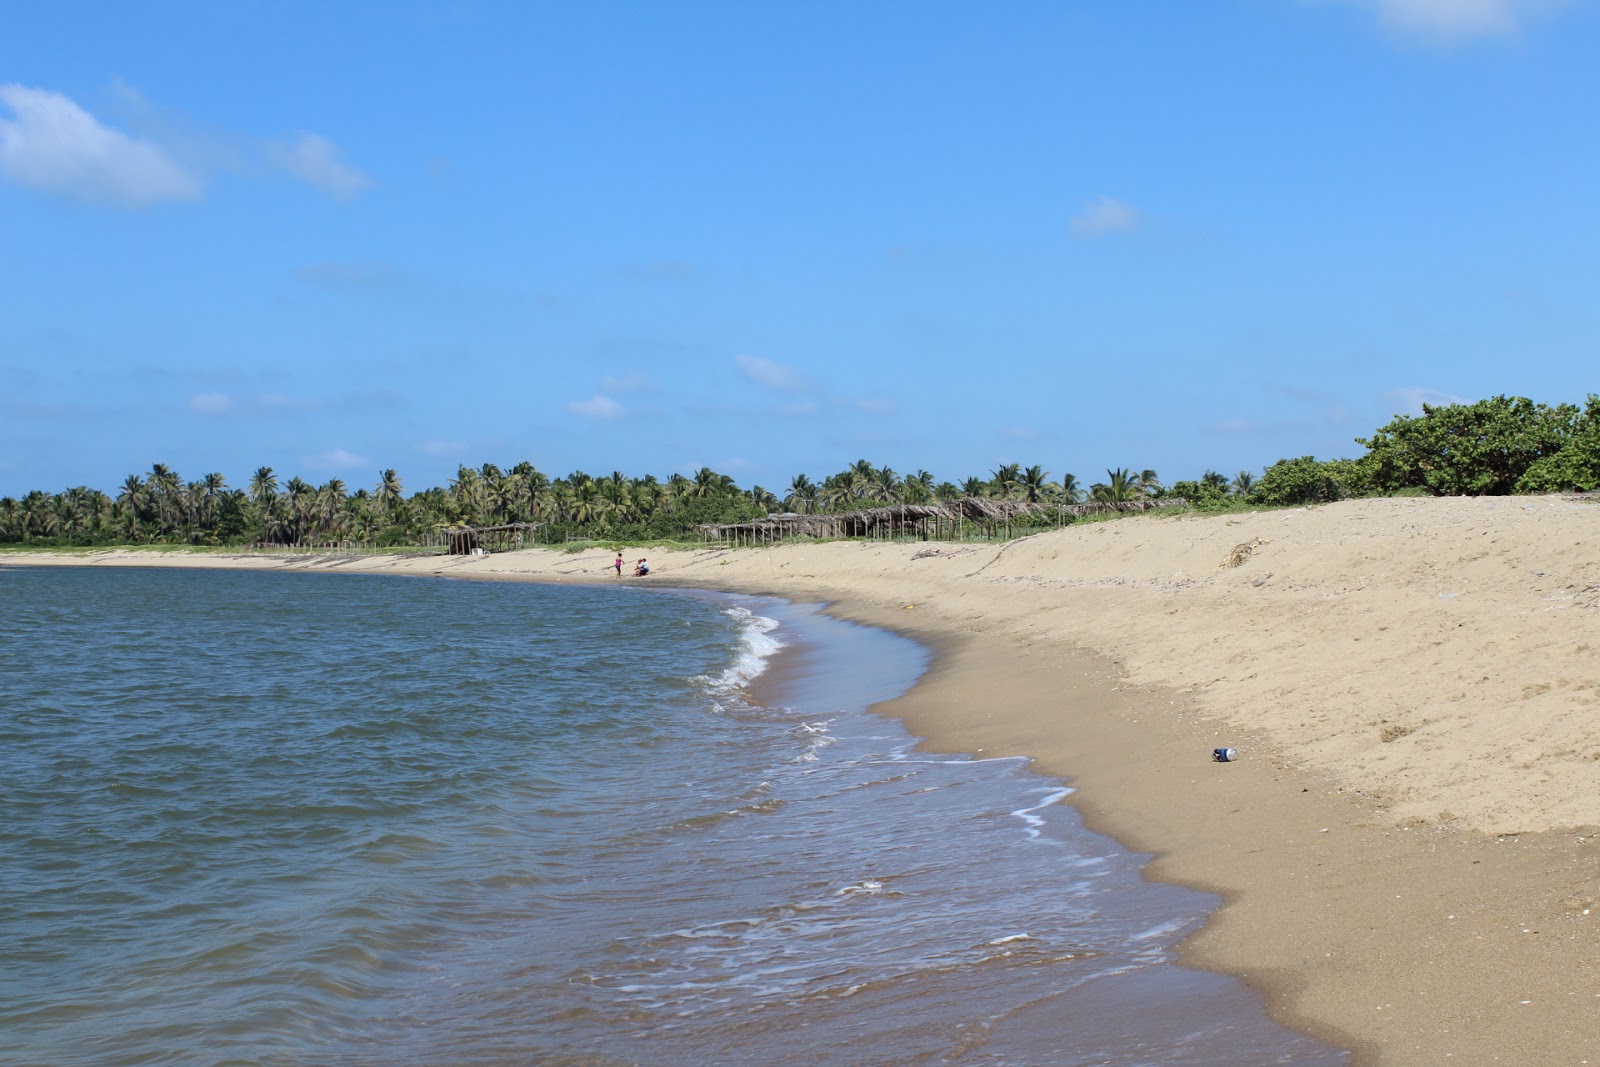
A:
{"x": 1409, "y": 841}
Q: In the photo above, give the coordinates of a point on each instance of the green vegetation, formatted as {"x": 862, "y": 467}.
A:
{"x": 1497, "y": 446}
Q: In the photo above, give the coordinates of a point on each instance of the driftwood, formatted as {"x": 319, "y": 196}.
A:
{"x": 941, "y": 520}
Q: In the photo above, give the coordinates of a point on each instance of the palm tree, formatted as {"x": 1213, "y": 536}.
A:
{"x": 1150, "y": 483}
{"x": 467, "y": 492}
{"x": 617, "y": 491}
{"x": 838, "y": 491}
{"x": 1071, "y": 491}
{"x": 885, "y": 485}
{"x": 708, "y": 483}
{"x": 1006, "y": 481}
{"x": 165, "y": 485}
{"x": 1214, "y": 480}
{"x": 330, "y": 507}
{"x": 974, "y": 487}
{"x": 802, "y": 494}
{"x": 1121, "y": 485}
{"x": 917, "y": 488}
{"x": 1032, "y": 482}
{"x": 302, "y": 508}
{"x": 264, "y": 490}
{"x": 763, "y": 500}
{"x": 1243, "y": 482}
{"x": 391, "y": 495}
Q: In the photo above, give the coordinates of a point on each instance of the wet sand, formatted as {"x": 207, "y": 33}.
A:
{"x": 1407, "y": 845}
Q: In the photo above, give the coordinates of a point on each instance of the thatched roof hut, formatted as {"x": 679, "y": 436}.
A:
{"x": 937, "y": 520}
{"x": 466, "y": 540}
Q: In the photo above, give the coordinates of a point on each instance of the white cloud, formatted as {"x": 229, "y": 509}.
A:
{"x": 772, "y": 375}
{"x": 627, "y": 383}
{"x": 442, "y": 449}
{"x": 335, "y": 459}
{"x": 314, "y": 160}
{"x": 1409, "y": 401}
{"x": 53, "y": 145}
{"x": 1104, "y": 215}
{"x": 598, "y": 406}
{"x": 211, "y": 404}
{"x": 1448, "y": 21}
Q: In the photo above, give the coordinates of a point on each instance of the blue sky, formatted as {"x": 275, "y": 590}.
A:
{"x": 774, "y": 239}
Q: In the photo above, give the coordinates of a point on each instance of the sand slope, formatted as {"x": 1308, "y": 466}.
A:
{"x": 1409, "y": 845}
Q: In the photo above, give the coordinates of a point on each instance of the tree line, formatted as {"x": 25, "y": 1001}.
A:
{"x": 1497, "y": 446}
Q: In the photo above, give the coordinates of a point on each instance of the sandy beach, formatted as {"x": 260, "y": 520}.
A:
{"x": 1407, "y": 843}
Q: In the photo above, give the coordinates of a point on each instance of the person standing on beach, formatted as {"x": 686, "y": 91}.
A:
{"x": 619, "y": 563}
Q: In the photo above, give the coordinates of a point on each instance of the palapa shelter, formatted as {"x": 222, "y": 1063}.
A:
{"x": 465, "y": 540}
{"x": 943, "y": 520}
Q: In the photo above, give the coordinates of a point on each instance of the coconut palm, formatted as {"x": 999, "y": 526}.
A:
{"x": 917, "y": 488}
{"x": 1121, "y": 485}
{"x": 1071, "y": 491}
{"x": 264, "y": 490}
{"x": 884, "y": 485}
{"x": 802, "y": 494}
{"x": 1005, "y": 482}
{"x": 1243, "y": 482}
{"x": 391, "y": 496}
{"x": 1032, "y": 483}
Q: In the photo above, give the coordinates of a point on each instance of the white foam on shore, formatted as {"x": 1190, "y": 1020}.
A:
{"x": 754, "y": 648}
{"x": 1031, "y": 822}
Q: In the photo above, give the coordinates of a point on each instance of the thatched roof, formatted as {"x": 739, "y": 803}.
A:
{"x": 968, "y": 509}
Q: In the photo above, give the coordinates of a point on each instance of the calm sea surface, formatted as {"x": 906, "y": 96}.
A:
{"x": 308, "y": 819}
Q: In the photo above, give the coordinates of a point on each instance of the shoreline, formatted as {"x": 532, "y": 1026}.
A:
{"x": 1411, "y": 685}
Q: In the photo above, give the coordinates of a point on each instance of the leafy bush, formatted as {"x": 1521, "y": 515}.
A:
{"x": 1206, "y": 496}
{"x": 1481, "y": 449}
{"x": 1306, "y": 480}
{"x": 1576, "y": 465}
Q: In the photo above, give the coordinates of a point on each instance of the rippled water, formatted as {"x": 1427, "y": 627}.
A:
{"x": 306, "y": 818}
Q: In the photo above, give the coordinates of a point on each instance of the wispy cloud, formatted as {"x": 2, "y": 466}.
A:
{"x": 442, "y": 449}
{"x": 598, "y": 406}
{"x": 53, "y": 145}
{"x": 315, "y": 160}
{"x": 772, "y": 375}
{"x": 1409, "y": 401}
{"x": 1455, "y": 21}
{"x": 335, "y": 459}
{"x": 1104, "y": 215}
{"x": 633, "y": 382}
{"x": 350, "y": 275}
{"x": 212, "y": 404}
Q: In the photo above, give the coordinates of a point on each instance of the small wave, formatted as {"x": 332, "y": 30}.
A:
{"x": 815, "y": 737}
{"x": 697, "y": 822}
{"x": 1032, "y": 823}
{"x": 754, "y": 647}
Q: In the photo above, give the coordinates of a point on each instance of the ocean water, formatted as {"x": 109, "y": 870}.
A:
{"x": 299, "y": 819}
